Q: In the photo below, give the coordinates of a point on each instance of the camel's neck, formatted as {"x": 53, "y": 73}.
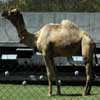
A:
{"x": 25, "y": 37}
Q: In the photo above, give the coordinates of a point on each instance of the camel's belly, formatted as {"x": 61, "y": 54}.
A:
{"x": 68, "y": 50}
{"x": 64, "y": 52}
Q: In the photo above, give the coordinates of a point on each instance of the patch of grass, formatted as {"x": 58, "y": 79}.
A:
{"x": 39, "y": 92}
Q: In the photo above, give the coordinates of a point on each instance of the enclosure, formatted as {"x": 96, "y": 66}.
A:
{"x": 22, "y": 71}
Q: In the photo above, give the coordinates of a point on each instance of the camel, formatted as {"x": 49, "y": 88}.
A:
{"x": 53, "y": 40}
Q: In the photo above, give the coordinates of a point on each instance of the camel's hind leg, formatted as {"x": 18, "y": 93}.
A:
{"x": 87, "y": 54}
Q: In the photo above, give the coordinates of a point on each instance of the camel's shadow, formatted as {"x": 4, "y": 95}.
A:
{"x": 71, "y": 94}
{"x": 74, "y": 95}
{"x": 68, "y": 95}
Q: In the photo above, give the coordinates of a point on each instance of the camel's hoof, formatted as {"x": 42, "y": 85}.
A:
{"x": 49, "y": 94}
{"x": 86, "y": 94}
{"x": 58, "y": 93}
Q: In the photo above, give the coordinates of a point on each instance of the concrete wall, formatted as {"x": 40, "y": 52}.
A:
{"x": 34, "y": 21}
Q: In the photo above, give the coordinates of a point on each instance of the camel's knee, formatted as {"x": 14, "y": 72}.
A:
{"x": 86, "y": 59}
{"x": 88, "y": 78}
{"x": 51, "y": 76}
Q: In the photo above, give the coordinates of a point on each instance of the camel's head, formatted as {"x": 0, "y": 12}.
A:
{"x": 13, "y": 15}
{"x": 10, "y": 14}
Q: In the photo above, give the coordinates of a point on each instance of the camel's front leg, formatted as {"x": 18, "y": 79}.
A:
{"x": 58, "y": 87}
{"x": 58, "y": 82}
{"x": 50, "y": 72}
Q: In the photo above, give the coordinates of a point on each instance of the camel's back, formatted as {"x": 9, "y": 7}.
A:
{"x": 58, "y": 34}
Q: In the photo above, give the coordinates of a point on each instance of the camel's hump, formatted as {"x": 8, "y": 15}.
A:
{"x": 69, "y": 24}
